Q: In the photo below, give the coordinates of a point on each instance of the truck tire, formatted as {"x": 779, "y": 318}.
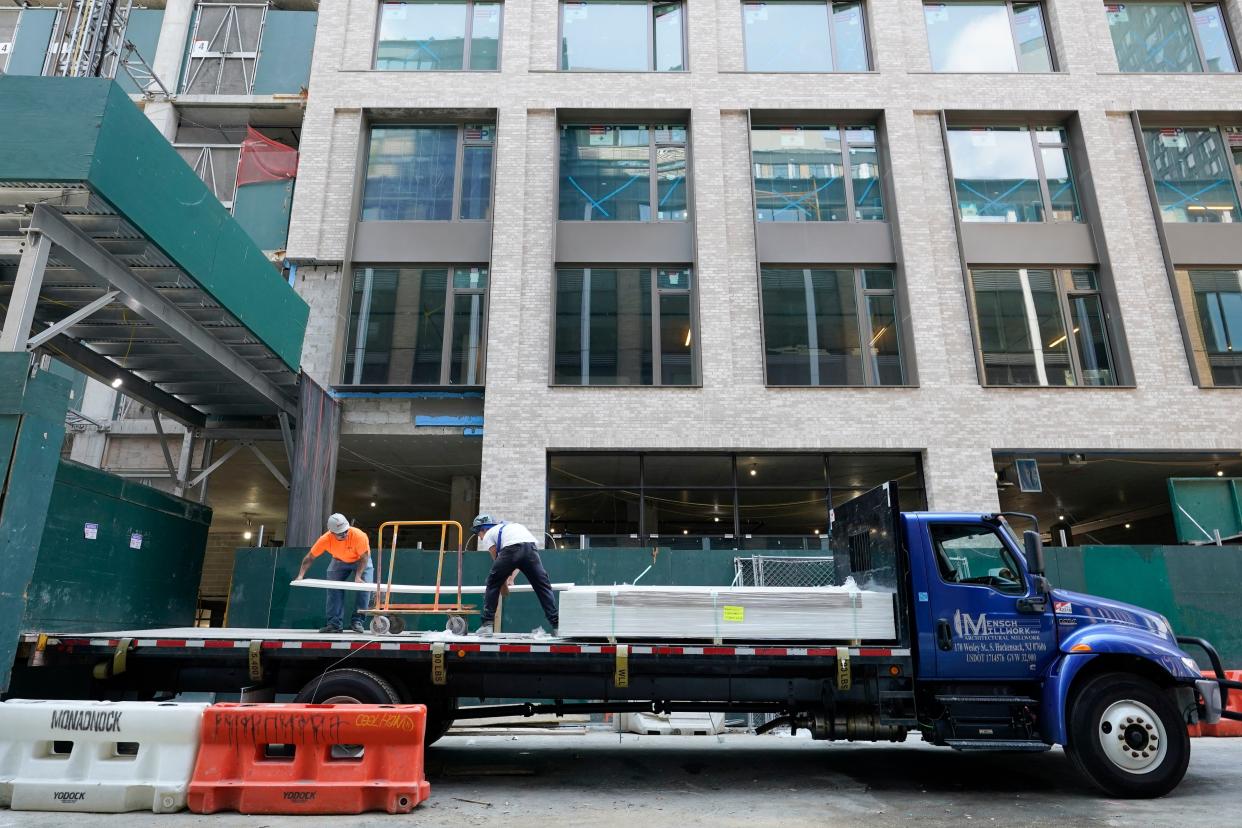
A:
{"x": 348, "y": 685}
{"x": 1127, "y": 736}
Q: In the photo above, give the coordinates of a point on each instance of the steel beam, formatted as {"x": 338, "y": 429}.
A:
{"x": 105, "y": 370}
{"x": 287, "y": 435}
{"x": 25, "y": 296}
{"x": 185, "y": 462}
{"x": 85, "y": 254}
{"x": 284, "y": 481}
{"x": 205, "y": 473}
{"x": 159, "y": 429}
{"x": 71, "y": 320}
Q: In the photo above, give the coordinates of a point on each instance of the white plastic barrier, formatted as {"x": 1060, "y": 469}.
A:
{"x": 672, "y": 724}
{"x": 100, "y": 757}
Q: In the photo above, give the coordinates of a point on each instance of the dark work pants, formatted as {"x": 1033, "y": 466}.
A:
{"x": 524, "y": 558}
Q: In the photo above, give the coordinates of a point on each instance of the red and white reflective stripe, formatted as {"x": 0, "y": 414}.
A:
{"x": 475, "y": 647}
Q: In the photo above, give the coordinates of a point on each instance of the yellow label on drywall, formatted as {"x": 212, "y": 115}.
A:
{"x": 734, "y": 613}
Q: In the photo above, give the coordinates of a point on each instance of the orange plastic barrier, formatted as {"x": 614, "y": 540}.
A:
{"x": 310, "y": 759}
{"x": 1225, "y": 727}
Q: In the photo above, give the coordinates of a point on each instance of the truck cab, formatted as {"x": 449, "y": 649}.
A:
{"x": 1005, "y": 661}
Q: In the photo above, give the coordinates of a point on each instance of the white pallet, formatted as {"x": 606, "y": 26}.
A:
{"x": 94, "y": 777}
{"x": 722, "y": 613}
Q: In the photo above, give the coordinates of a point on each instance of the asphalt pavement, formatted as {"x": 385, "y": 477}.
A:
{"x": 605, "y": 779}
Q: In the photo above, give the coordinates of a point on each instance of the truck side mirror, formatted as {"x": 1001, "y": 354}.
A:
{"x": 1034, "y": 552}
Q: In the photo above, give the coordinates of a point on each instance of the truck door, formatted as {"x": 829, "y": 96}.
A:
{"x": 983, "y": 629}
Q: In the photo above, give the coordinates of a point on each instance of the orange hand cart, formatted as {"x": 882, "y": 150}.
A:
{"x": 386, "y": 616}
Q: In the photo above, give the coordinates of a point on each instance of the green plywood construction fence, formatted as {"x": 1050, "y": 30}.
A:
{"x": 1204, "y": 507}
{"x": 97, "y": 137}
{"x": 115, "y": 554}
{"x": 1193, "y": 586}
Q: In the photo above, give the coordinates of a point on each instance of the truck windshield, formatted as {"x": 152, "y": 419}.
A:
{"x": 975, "y": 555}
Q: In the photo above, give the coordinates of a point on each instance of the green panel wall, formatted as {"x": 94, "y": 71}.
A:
{"x": 144, "y": 32}
{"x": 95, "y": 134}
{"x": 101, "y": 583}
{"x": 1193, "y": 586}
{"x": 32, "y": 428}
{"x": 261, "y": 595}
{"x": 34, "y": 31}
{"x": 1206, "y": 505}
{"x": 285, "y": 53}
{"x": 262, "y": 209}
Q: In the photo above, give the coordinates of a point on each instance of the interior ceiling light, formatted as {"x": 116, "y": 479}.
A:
{"x": 1220, "y": 472}
{"x": 116, "y": 383}
{"x": 1127, "y": 526}
{"x": 372, "y": 504}
{"x": 752, "y": 471}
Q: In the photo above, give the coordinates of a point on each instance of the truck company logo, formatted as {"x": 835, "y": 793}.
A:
{"x": 299, "y": 796}
{"x": 1062, "y": 607}
{"x": 68, "y": 796}
{"x": 98, "y": 721}
{"x": 967, "y": 625}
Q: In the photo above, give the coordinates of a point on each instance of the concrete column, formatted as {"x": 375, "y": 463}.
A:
{"x": 167, "y": 66}
{"x": 465, "y": 501}
{"x": 98, "y": 401}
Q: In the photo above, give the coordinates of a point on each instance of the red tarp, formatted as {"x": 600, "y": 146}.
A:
{"x": 263, "y": 159}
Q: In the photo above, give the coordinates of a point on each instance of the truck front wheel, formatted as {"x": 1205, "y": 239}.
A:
{"x": 1127, "y": 736}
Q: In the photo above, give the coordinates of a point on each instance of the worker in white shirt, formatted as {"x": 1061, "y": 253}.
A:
{"x": 513, "y": 549}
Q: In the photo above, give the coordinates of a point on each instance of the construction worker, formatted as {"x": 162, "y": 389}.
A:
{"x": 513, "y": 550}
{"x": 350, "y": 549}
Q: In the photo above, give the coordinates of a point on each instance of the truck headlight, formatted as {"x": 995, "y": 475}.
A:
{"x": 1191, "y": 665}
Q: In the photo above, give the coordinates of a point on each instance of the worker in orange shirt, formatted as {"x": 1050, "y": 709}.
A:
{"x": 350, "y": 549}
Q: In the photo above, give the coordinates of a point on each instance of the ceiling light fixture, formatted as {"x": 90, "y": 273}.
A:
{"x": 1127, "y": 526}
{"x": 116, "y": 383}
{"x": 372, "y": 504}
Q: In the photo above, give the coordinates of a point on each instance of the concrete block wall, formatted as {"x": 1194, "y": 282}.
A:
{"x": 949, "y": 417}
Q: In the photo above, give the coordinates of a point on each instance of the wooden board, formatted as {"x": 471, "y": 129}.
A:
{"x": 410, "y": 589}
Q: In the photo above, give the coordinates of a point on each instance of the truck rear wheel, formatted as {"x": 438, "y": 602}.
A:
{"x": 1127, "y": 736}
{"x": 348, "y": 685}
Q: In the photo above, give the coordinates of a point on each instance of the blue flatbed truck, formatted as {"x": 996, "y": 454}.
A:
{"x": 988, "y": 657}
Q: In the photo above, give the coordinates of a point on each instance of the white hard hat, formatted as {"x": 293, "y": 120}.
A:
{"x": 337, "y": 524}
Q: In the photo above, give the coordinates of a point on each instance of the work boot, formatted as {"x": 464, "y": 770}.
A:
{"x": 358, "y": 628}
{"x": 485, "y": 630}
{"x": 331, "y": 628}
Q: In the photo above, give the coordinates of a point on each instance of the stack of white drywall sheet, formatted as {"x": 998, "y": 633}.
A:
{"x": 718, "y": 613}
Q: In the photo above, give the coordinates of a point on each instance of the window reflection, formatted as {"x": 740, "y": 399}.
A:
{"x": 622, "y": 36}
{"x": 987, "y": 36}
{"x": 805, "y": 37}
{"x": 1193, "y": 173}
{"x": 997, "y": 176}
{"x": 438, "y": 36}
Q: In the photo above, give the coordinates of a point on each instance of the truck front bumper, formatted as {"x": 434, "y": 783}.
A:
{"x": 1213, "y": 692}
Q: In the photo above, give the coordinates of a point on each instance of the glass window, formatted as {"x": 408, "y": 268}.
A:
{"x": 1021, "y": 322}
{"x": 624, "y": 326}
{"x": 796, "y": 36}
{"x": 987, "y": 36}
{"x": 438, "y": 35}
{"x": 814, "y": 333}
{"x": 622, "y": 36}
{"x": 1170, "y": 36}
{"x": 417, "y": 326}
{"x": 975, "y": 555}
{"x": 714, "y": 501}
{"x": 827, "y": 173}
{"x": 1193, "y": 173}
{"x": 412, "y": 173}
{"x": 616, "y": 173}
{"x": 1013, "y": 174}
{"x": 1216, "y": 326}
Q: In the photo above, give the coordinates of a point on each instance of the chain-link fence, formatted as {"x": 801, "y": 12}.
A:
{"x": 781, "y": 571}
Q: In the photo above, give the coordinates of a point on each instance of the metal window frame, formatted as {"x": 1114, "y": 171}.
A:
{"x": 1013, "y": 33}
{"x": 862, "y": 322}
{"x": 1200, "y": 53}
{"x": 1032, "y": 129}
{"x": 655, "y": 292}
{"x": 650, "y": 63}
{"x": 467, "y": 46}
{"x": 1062, "y": 281}
{"x": 459, "y": 161}
{"x": 869, "y": 52}
{"x": 653, "y": 184}
{"x": 1221, "y": 131}
{"x": 450, "y": 294}
{"x": 847, "y": 164}
{"x": 191, "y": 69}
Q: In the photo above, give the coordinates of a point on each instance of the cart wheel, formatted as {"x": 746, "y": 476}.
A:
{"x": 457, "y": 625}
{"x": 380, "y": 625}
{"x": 396, "y": 624}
